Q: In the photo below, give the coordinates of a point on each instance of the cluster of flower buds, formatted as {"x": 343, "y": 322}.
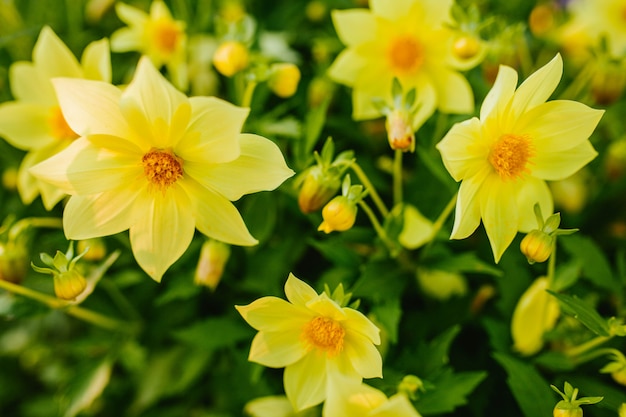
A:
{"x": 539, "y": 243}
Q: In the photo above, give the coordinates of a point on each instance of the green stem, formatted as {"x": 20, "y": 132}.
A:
{"x": 248, "y": 92}
{"x": 370, "y": 189}
{"x": 23, "y": 224}
{"x": 578, "y": 84}
{"x": 597, "y": 353}
{"x": 377, "y": 226}
{"x": 438, "y": 224}
{"x": 397, "y": 177}
{"x": 588, "y": 345}
{"x": 552, "y": 264}
{"x": 73, "y": 310}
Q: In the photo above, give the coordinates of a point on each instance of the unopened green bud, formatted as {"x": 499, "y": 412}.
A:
{"x": 339, "y": 215}
{"x": 317, "y": 189}
{"x": 69, "y": 285}
{"x": 566, "y": 409}
{"x": 537, "y": 246}
{"x": 69, "y": 281}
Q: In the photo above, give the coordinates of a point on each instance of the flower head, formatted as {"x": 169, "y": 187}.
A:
{"x": 158, "y": 163}
{"x": 504, "y": 157}
{"x": 33, "y": 121}
{"x": 409, "y": 40}
{"x": 156, "y": 35}
{"x": 314, "y": 339}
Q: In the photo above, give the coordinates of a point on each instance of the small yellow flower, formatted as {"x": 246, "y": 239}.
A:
{"x": 156, "y": 35}
{"x": 504, "y": 157}
{"x": 34, "y": 122}
{"x": 157, "y": 163}
{"x": 535, "y": 313}
{"x": 314, "y": 339}
{"x": 347, "y": 399}
{"x": 230, "y": 58}
{"x": 284, "y": 79}
{"x": 405, "y": 39}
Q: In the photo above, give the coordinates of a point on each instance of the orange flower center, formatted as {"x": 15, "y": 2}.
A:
{"x": 166, "y": 36}
{"x": 405, "y": 54}
{"x": 511, "y": 154}
{"x": 162, "y": 168}
{"x": 59, "y": 127}
{"x": 325, "y": 334}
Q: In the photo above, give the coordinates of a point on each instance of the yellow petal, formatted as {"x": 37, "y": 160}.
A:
{"x": 50, "y": 195}
{"x": 560, "y": 165}
{"x": 500, "y": 94}
{"x": 538, "y": 87}
{"x": 500, "y": 214}
{"x": 305, "y": 381}
{"x": 426, "y": 104}
{"x": 270, "y": 406}
{"x": 276, "y": 349}
{"x": 213, "y": 132}
{"x": 27, "y": 184}
{"x": 217, "y": 217}
{"x": 349, "y": 399}
{"x": 91, "y": 107}
{"x": 158, "y": 10}
{"x": 151, "y": 97}
{"x": 417, "y": 230}
{"x": 363, "y": 355}
{"x": 25, "y": 125}
{"x": 354, "y": 26}
{"x": 126, "y": 39}
{"x": 531, "y": 192}
{"x": 261, "y": 163}
{"x": 30, "y": 84}
{"x": 273, "y": 314}
{"x": 163, "y": 233}
{"x": 462, "y": 150}
{"x": 358, "y": 323}
{"x": 467, "y": 211}
{"x": 346, "y": 67}
{"x": 104, "y": 214}
{"x": 53, "y": 57}
{"x": 392, "y": 10}
{"x": 454, "y": 93}
{"x": 397, "y": 406}
{"x": 298, "y": 292}
{"x": 130, "y": 15}
{"x": 96, "y": 61}
{"x": 325, "y": 307}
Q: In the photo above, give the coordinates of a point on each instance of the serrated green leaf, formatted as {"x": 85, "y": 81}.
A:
{"x": 450, "y": 391}
{"x": 531, "y": 391}
{"x": 583, "y": 313}
{"x": 594, "y": 264}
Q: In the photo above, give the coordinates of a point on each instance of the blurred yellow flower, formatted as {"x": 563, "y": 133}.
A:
{"x": 34, "y": 122}
{"x": 315, "y": 339}
{"x": 504, "y": 157}
{"x": 407, "y": 39}
{"x": 347, "y": 399}
{"x": 156, "y": 35}
{"x": 158, "y": 163}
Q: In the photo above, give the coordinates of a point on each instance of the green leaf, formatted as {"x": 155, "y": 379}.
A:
{"x": 530, "y": 390}
{"x": 313, "y": 125}
{"x": 594, "y": 264}
{"x": 465, "y": 262}
{"x": 214, "y": 333}
{"x": 379, "y": 281}
{"x": 433, "y": 356}
{"x": 389, "y": 314}
{"x": 613, "y": 396}
{"x": 566, "y": 275}
{"x": 450, "y": 391}
{"x": 583, "y": 312}
{"x": 86, "y": 387}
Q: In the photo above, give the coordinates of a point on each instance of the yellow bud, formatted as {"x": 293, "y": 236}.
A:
{"x": 399, "y": 131}
{"x": 535, "y": 313}
{"x": 69, "y": 285}
{"x": 213, "y": 257}
{"x": 9, "y": 179}
{"x": 315, "y": 10}
{"x": 317, "y": 189}
{"x": 564, "y": 409}
{"x": 14, "y": 261}
{"x": 230, "y": 58}
{"x": 537, "y": 246}
{"x": 97, "y": 249}
{"x": 541, "y": 19}
{"x": 607, "y": 84}
{"x": 339, "y": 215}
{"x": 466, "y": 47}
{"x": 319, "y": 89}
{"x": 284, "y": 79}
{"x": 571, "y": 194}
{"x": 232, "y": 11}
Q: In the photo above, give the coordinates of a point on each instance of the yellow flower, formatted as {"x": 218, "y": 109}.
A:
{"x": 536, "y": 312}
{"x": 407, "y": 39}
{"x": 339, "y": 215}
{"x": 314, "y": 338}
{"x": 156, "y": 35}
{"x": 504, "y": 157}
{"x": 34, "y": 122}
{"x": 347, "y": 399}
{"x": 158, "y": 163}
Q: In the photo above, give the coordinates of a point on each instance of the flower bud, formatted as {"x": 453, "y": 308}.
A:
{"x": 608, "y": 83}
{"x": 541, "y": 20}
{"x": 339, "y": 215}
{"x": 319, "y": 89}
{"x": 9, "y": 179}
{"x": 14, "y": 261}
{"x": 284, "y": 79}
{"x": 315, "y": 11}
{"x": 95, "y": 249}
{"x": 566, "y": 409}
{"x": 466, "y": 47}
{"x": 69, "y": 285}
{"x": 213, "y": 257}
{"x": 399, "y": 131}
{"x": 317, "y": 189}
{"x": 537, "y": 246}
{"x": 535, "y": 313}
{"x": 230, "y": 58}
{"x": 410, "y": 385}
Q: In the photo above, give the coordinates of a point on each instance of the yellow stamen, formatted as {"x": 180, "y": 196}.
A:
{"x": 511, "y": 154}
{"x": 166, "y": 36}
{"x": 162, "y": 168}
{"x": 405, "y": 54}
{"x": 58, "y": 125}
{"x": 325, "y": 334}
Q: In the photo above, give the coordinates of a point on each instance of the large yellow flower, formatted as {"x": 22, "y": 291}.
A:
{"x": 158, "y": 163}
{"x": 315, "y": 339}
{"x": 34, "y": 122}
{"x": 504, "y": 157}
{"x": 407, "y": 39}
{"x": 156, "y": 35}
